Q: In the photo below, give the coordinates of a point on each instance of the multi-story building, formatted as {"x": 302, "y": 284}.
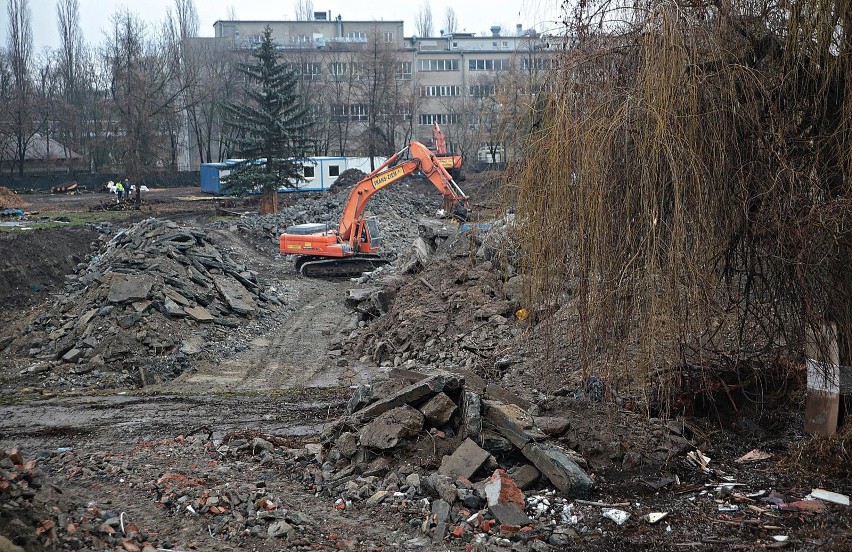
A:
{"x": 371, "y": 89}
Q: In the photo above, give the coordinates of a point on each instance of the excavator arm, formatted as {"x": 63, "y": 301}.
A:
{"x": 422, "y": 160}
{"x": 351, "y": 250}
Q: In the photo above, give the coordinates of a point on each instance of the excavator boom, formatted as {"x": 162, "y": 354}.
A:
{"x": 353, "y": 248}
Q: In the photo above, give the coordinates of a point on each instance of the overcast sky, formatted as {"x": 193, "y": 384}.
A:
{"x": 473, "y": 15}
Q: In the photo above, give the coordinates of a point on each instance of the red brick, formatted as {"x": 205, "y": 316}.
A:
{"x": 458, "y": 531}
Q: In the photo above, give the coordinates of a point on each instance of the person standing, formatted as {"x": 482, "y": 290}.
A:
{"x": 119, "y": 190}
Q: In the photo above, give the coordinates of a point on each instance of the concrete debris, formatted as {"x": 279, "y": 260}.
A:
{"x": 391, "y": 427}
{"x": 439, "y": 409}
{"x": 413, "y": 394}
{"x": 146, "y": 293}
{"x": 465, "y": 461}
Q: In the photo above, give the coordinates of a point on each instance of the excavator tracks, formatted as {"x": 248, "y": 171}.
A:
{"x": 346, "y": 267}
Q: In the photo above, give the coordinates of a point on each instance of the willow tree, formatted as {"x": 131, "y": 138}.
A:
{"x": 269, "y": 130}
{"x": 692, "y": 177}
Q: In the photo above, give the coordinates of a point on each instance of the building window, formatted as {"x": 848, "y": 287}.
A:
{"x": 308, "y": 171}
{"x": 440, "y": 91}
{"x": 337, "y": 70}
{"x": 334, "y": 170}
{"x": 440, "y": 118}
{"x": 439, "y": 65}
{"x": 489, "y": 64}
{"x": 388, "y": 36}
{"x": 348, "y": 112}
{"x": 543, "y": 64}
{"x": 404, "y": 71}
{"x": 358, "y": 112}
{"x": 455, "y": 44}
{"x": 308, "y": 70}
{"x": 357, "y": 36}
{"x": 481, "y": 90}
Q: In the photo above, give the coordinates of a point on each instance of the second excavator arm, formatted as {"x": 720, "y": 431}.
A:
{"x": 422, "y": 160}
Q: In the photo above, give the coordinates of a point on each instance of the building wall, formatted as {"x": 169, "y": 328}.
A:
{"x": 449, "y": 81}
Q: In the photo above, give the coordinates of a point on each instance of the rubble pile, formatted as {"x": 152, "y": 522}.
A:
{"x": 32, "y": 512}
{"x": 346, "y": 181}
{"x": 155, "y": 290}
{"x": 397, "y": 210}
{"x": 455, "y": 459}
{"x": 459, "y": 310}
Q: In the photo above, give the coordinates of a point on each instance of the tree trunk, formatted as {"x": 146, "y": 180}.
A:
{"x": 268, "y": 202}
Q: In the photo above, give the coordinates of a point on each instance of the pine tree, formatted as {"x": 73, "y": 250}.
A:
{"x": 269, "y": 131}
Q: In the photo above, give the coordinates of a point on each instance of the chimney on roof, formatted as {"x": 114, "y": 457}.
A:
{"x": 495, "y": 30}
{"x": 519, "y": 29}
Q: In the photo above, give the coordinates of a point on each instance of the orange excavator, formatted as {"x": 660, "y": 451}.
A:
{"x": 354, "y": 247}
{"x": 451, "y": 162}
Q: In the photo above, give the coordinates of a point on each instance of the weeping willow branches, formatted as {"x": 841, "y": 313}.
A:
{"x": 690, "y": 180}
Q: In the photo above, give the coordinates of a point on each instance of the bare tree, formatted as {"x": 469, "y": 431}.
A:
{"x": 146, "y": 90}
{"x": 451, "y": 22}
{"x": 70, "y": 69}
{"x": 423, "y": 20}
{"x": 304, "y": 10}
{"x": 231, "y": 14}
{"x": 24, "y": 119}
{"x": 186, "y": 19}
{"x": 385, "y": 98}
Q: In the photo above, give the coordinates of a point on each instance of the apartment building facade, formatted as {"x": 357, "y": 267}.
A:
{"x": 371, "y": 89}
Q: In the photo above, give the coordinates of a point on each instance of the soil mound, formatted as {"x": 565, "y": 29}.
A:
{"x": 10, "y": 200}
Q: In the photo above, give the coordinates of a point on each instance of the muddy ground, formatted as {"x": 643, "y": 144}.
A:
{"x": 106, "y": 453}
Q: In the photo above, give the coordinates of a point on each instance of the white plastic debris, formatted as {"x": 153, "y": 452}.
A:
{"x": 754, "y": 455}
{"x": 656, "y": 517}
{"x": 616, "y": 515}
{"x": 781, "y": 538}
{"x": 829, "y": 496}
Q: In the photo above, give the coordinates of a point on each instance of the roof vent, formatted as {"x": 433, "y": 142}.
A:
{"x": 495, "y": 30}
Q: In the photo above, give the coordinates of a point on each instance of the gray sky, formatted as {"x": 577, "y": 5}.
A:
{"x": 473, "y": 15}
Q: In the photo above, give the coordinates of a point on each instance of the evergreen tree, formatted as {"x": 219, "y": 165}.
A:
{"x": 268, "y": 131}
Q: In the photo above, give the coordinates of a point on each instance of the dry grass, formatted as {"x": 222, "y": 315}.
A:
{"x": 689, "y": 183}
{"x": 828, "y": 456}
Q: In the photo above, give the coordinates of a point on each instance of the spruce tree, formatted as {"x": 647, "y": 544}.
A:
{"x": 269, "y": 130}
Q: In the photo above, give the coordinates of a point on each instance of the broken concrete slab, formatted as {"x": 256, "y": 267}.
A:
{"x": 391, "y": 427}
{"x": 413, "y": 394}
{"x": 235, "y": 295}
{"x": 471, "y": 423}
{"x": 464, "y": 462}
{"x": 126, "y": 288}
{"x": 199, "y": 314}
{"x": 563, "y": 472}
{"x": 510, "y": 420}
{"x": 192, "y": 346}
{"x": 525, "y": 476}
{"x": 496, "y": 393}
{"x": 360, "y": 398}
{"x": 439, "y": 409}
{"x": 73, "y": 355}
{"x": 553, "y": 426}
{"x": 172, "y": 308}
{"x": 509, "y": 514}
